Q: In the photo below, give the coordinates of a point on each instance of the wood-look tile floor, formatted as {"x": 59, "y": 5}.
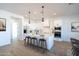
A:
{"x": 18, "y": 49}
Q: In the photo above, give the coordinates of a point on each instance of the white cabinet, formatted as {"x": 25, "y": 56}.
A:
{"x": 57, "y": 23}
{"x": 57, "y": 29}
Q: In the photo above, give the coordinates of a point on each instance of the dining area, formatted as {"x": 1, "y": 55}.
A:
{"x": 75, "y": 47}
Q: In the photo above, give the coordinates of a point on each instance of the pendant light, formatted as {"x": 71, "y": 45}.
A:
{"x": 29, "y": 16}
{"x": 42, "y": 13}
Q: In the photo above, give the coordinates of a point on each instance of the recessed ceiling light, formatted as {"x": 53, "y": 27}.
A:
{"x": 54, "y": 13}
{"x": 26, "y": 15}
{"x": 35, "y": 13}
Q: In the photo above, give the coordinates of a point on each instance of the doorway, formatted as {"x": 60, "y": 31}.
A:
{"x": 14, "y": 31}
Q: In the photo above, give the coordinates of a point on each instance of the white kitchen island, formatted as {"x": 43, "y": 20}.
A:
{"x": 49, "y": 40}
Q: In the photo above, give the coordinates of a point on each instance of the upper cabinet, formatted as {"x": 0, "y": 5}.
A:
{"x": 57, "y": 23}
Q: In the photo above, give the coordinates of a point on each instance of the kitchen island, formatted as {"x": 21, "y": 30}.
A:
{"x": 49, "y": 39}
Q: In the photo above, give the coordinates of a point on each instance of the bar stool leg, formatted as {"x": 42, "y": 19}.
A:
{"x": 31, "y": 41}
{"x": 37, "y": 42}
{"x": 27, "y": 41}
{"x": 46, "y": 45}
{"x": 43, "y": 46}
{"x": 24, "y": 41}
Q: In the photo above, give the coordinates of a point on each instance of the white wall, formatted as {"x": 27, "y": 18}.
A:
{"x": 66, "y": 27}
{"x": 6, "y": 36}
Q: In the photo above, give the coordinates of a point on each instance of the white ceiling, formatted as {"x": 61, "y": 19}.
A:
{"x": 60, "y": 9}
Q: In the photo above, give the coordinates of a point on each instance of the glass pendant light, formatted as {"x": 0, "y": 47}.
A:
{"x": 42, "y": 13}
{"x": 29, "y": 16}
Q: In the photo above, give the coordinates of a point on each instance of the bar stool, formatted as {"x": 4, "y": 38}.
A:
{"x": 28, "y": 39}
{"x": 43, "y": 44}
{"x": 34, "y": 41}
